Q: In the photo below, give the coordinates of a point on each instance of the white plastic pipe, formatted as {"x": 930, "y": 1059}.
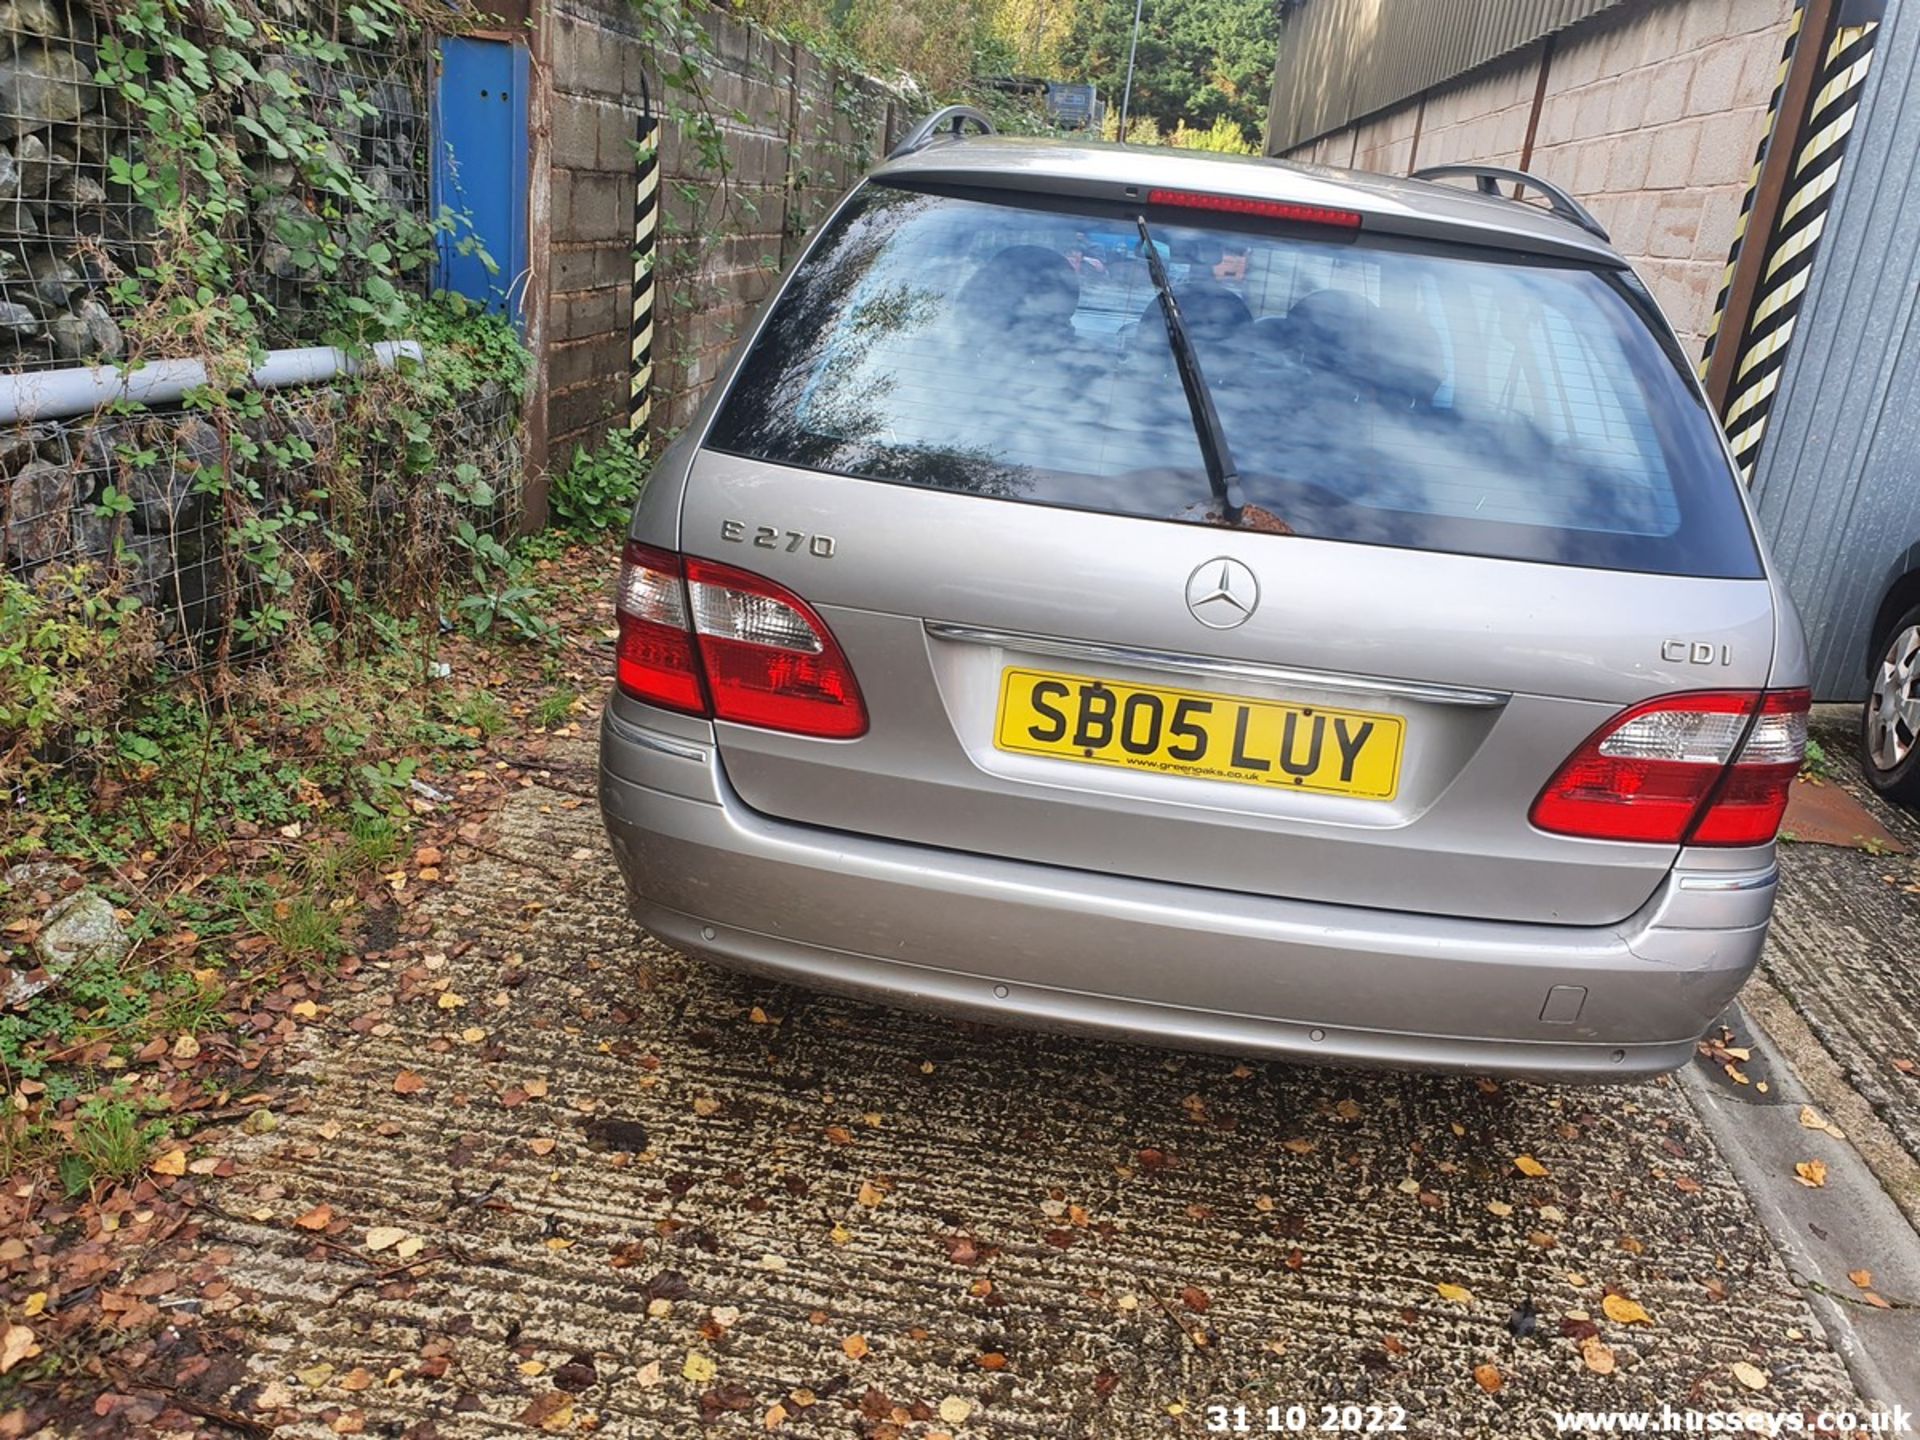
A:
{"x": 58, "y": 394}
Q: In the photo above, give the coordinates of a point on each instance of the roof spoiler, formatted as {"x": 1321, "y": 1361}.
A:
{"x": 950, "y": 121}
{"x": 1490, "y": 176}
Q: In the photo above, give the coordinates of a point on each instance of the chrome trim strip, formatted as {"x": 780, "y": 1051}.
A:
{"x": 653, "y": 740}
{"x": 1750, "y": 880}
{"x": 1211, "y": 665}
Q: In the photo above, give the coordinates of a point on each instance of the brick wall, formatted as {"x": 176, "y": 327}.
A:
{"x": 1650, "y": 115}
{"x": 797, "y": 132}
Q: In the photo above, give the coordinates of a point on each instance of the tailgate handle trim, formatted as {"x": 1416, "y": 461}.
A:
{"x": 1212, "y": 665}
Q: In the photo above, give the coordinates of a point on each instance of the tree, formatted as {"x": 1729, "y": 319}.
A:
{"x": 1199, "y": 61}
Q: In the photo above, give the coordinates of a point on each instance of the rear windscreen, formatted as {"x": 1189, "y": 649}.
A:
{"x": 1370, "y": 389}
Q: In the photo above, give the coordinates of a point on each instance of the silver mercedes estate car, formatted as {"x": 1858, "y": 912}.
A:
{"x": 1218, "y": 603}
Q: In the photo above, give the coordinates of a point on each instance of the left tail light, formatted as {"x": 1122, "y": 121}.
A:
{"x": 1712, "y": 768}
{"x": 708, "y": 639}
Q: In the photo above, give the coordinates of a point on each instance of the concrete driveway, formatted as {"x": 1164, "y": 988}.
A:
{"x": 571, "y": 1181}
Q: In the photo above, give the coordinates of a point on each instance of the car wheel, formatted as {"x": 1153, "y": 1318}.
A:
{"x": 1890, "y": 723}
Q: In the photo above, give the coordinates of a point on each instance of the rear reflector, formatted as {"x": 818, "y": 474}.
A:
{"x": 1268, "y": 209}
{"x": 707, "y": 639}
{"x": 1704, "y": 769}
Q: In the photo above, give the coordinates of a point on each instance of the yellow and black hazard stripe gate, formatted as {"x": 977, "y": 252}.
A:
{"x": 1783, "y": 268}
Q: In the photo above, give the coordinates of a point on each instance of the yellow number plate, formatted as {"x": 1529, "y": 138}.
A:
{"x": 1194, "y": 732}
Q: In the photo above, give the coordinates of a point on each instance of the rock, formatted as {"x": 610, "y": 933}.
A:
{"x": 9, "y": 176}
{"x": 18, "y": 321}
{"x": 41, "y": 87}
{"x": 39, "y": 501}
{"x": 21, "y": 446}
{"x": 92, "y": 533}
{"x": 93, "y": 142}
{"x": 89, "y": 335}
{"x": 147, "y": 565}
{"x": 56, "y": 282}
{"x": 69, "y": 334}
{"x": 103, "y": 330}
{"x": 41, "y": 168}
{"x": 80, "y": 190}
{"x": 20, "y": 19}
{"x": 48, "y": 875}
{"x": 169, "y": 496}
{"x": 81, "y": 929}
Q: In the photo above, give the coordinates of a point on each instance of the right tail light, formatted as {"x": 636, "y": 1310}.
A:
{"x": 1711, "y": 768}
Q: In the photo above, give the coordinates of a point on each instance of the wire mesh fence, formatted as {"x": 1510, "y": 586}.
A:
{"x": 234, "y": 531}
{"x": 236, "y": 523}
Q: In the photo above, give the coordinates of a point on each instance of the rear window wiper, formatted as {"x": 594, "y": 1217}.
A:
{"x": 1217, "y": 455}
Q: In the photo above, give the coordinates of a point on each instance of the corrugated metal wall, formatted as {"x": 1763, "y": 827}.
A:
{"x": 1838, "y": 483}
{"x": 1342, "y": 59}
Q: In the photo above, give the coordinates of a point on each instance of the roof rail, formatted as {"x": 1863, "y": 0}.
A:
{"x": 1489, "y": 176}
{"x": 950, "y": 120}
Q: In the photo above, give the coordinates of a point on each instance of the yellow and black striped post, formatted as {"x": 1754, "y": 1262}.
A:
{"x": 1791, "y": 247}
{"x": 1753, "y": 186}
{"x": 646, "y": 195}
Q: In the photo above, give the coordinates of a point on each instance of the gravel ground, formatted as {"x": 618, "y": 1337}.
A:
{"x": 1844, "y": 942}
{"x": 660, "y": 1199}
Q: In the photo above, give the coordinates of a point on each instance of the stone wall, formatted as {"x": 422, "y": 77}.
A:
{"x": 1650, "y": 115}
{"x": 809, "y": 129}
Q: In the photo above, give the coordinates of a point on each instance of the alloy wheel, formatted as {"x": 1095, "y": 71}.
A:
{"x": 1893, "y": 714}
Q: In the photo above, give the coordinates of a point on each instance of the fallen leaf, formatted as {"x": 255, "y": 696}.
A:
{"x": 16, "y": 1344}
{"x": 409, "y": 1247}
{"x": 1459, "y": 1294}
{"x": 1811, "y": 1118}
{"x": 384, "y": 1237}
{"x": 855, "y": 1346}
{"x": 314, "y": 1376}
{"x": 317, "y": 1218}
{"x": 1529, "y": 1166}
{"x": 408, "y": 1083}
{"x": 358, "y": 1378}
{"x": 871, "y": 1194}
{"x": 775, "y": 1417}
{"x": 955, "y": 1410}
{"x": 705, "y": 1105}
{"x": 1298, "y": 1147}
{"x": 1488, "y": 1378}
{"x": 1195, "y": 1299}
{"x": 186, "y": 1048}
{"x": 1623, "y": 1311}
{"x": 1596, "y": 1356}
{"x": 1811, "y": 1173}
{"x": 1499, "y": 1207}
{"x": 1751, "y": 1376}
{"x": 1862, "y": 1278}
{"x": 174, "y": 1162}
{"x": 541, "y": 1145}
{"x": 699, "y": 1368}
{"x": 36, "y": 1302}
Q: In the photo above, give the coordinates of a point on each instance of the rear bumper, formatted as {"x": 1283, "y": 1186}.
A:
{"x": 1016, "y": 942}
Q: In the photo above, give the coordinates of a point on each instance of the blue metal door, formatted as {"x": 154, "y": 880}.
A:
{"x": 480, "y": 170}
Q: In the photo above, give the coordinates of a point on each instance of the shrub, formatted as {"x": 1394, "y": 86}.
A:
{"x": 597, "y": 489}
{"x": 71, "y": 653}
